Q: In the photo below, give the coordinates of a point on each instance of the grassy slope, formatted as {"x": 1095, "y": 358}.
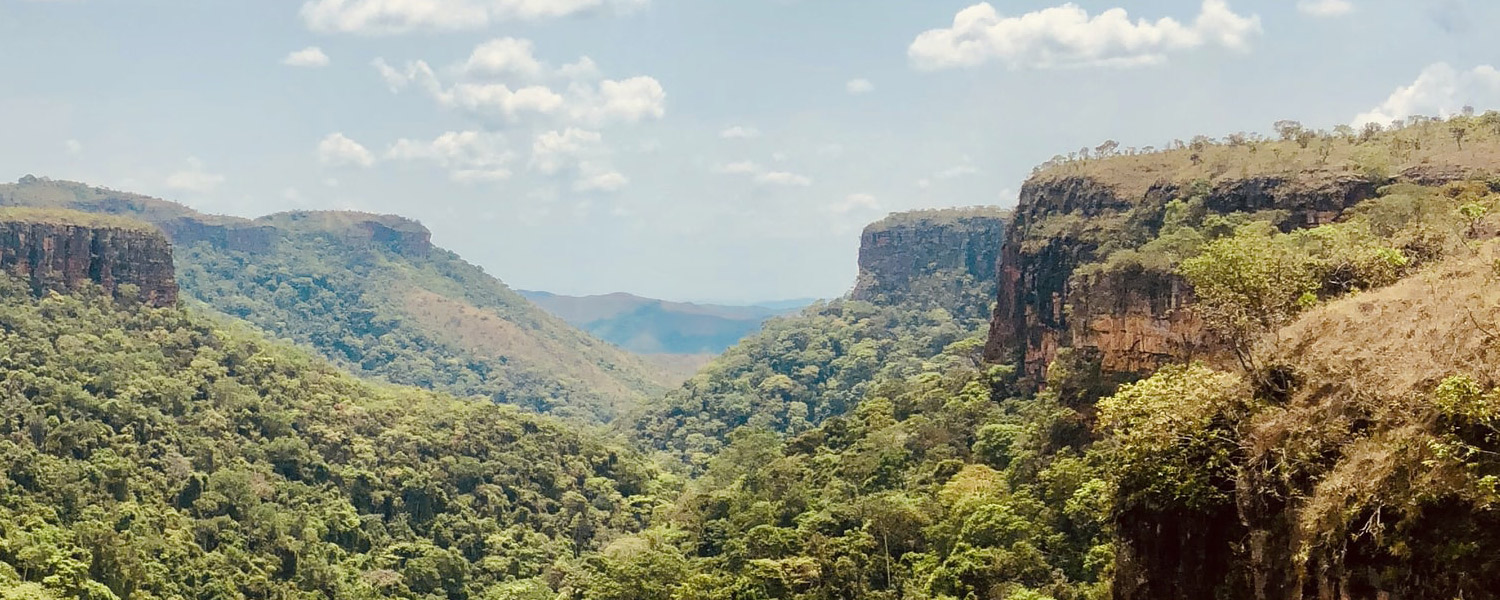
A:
{"x": 443, "y": 323}
{"x": 1409, "y": 150}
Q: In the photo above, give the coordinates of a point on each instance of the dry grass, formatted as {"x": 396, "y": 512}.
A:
{"x": 486, "y": 333}
{"x": 1427, "y": 146}
{"x": 1401, "y": 340}
{"x": 60, "y": 216}
{"x": 937, "y": 216}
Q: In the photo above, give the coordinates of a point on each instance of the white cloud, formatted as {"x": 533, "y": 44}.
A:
{"x": 626, "y": 101}
{"x": 195, "y": 178}
{"x": 291, "y": 194}
{"x": 583, "y": 68}
{"x": 739, "y": 132}
{"x": 337, "y": 150}
{"x": 859, "y": 86}
{"x": 311, "y": 56}
{"x": 1325, "y": 8}
{"x": 499, "y": 100}
{"x": 1066, "y": 36}
{"x": 600, "y": 179}
{"x": 739, "y": 168}
{"x": 855, "y": 202}
{"x": 554, "y": 151}
{"x": 469, "y": 156}
{"x": 73, "y": 147}
{"x": 761, "y": 176}
{"x": 585, "y": 101}
{"x": 504, "y": 56}
{"x": 1440, "y": 90}
{"x": 402, "y": 16}
{"x": 783, "y": 178}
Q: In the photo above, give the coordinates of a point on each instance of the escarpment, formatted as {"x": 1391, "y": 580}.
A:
{"x": 63, "y": 251}
{"x": 918, "y": 256}
{"x": 1057, "y": 292}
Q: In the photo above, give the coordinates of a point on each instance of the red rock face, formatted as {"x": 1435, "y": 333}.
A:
{"x": 63, "y": 257}
{"x": 1136, "y": 320}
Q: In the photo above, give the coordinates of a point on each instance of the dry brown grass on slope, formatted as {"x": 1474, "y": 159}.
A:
{"x": 1425, "y": 147}
{"x": 485, "y": 333}
{"x": 1403, "y": 339}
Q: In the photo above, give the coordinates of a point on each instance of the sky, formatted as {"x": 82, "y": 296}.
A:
{"x": 704, "y": 150}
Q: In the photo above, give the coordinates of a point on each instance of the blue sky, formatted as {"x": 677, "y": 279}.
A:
{"x": 723, "y": 150}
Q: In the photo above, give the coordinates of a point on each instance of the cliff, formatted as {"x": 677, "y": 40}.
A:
{"x": 373, "y": 294}
{"x": 917, "y": 256}
{"x": 398, "y": 234}
{"x": 64, "y": 250}
{"x": 1074, "y": 216}
{"x": 1135, "y": 318}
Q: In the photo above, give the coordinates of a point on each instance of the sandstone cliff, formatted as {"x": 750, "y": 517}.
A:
{"x": 1135, "y": 319}
{"x": 63, "y": 250}
{"x": 924, "y": 255}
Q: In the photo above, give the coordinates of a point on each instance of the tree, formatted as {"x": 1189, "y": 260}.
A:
{"x": 1459, "y": 130}
{"x": 1250, "y": 284}
{"x": 1288, "y": 129}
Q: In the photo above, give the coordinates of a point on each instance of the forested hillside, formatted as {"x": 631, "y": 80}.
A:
{"x": 372, "y": 294}
{"x": 802, "y": 369}
{"x": 1275, "y": 385}
{"x": 159, "y": 453}
{"x": 1251, "y": 389}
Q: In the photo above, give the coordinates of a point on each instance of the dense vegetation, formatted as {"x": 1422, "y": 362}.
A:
{"x": 155, "y": 453}
{"x": 1343, "y": 438}
{"x": 397, "y": 310}
{"x": 929, "y": 488}
{"x": 802, "y": 369}
{"x": 434, "y": 321}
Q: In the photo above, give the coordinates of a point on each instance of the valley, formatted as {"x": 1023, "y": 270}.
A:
{"x": 1179, "y": 374}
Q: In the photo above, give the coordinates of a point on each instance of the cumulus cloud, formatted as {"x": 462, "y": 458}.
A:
{"x": 599, "y": 179}
{"x": 762, "y": 176}
{"x": 73, "y": 147}
{"x": 311, "y": 56}
{"x": 739, "y": 168}
{"x": 403, "y": 16}
{"x": 626, "y": 101}
{"x": 1440, "y": 90}
{"x": 739, "y": 132}
{"x": 783, "y": 178}
{"x": 1067, "y": 36}
{"x": 337, "y": 150}
{"x": 195, "y": 178}
{"x": 859, "y": 86}
{"x": 553, "y": 151}
{"x": 504, "y": 56}
{"x": 468, "y": 156}
{"x": 1325, "y": 8}
{"x": 587, "y": 99}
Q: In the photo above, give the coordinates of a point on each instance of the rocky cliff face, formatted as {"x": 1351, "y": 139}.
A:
{"x": 900, "y": 255}
{"x": 63, "y": 256}
{"x": 396, "y": 234}
{"x": 1136, "y": 320}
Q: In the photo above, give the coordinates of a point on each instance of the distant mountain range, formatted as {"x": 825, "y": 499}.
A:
{"x": 658, "y": 327}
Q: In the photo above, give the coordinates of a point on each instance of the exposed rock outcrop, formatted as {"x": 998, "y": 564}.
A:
{"x": 899, "y": 255}
{"x": 1136, "y": 319}
{"x": 398, "y": 234}
{"x": 54, "y": 254}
